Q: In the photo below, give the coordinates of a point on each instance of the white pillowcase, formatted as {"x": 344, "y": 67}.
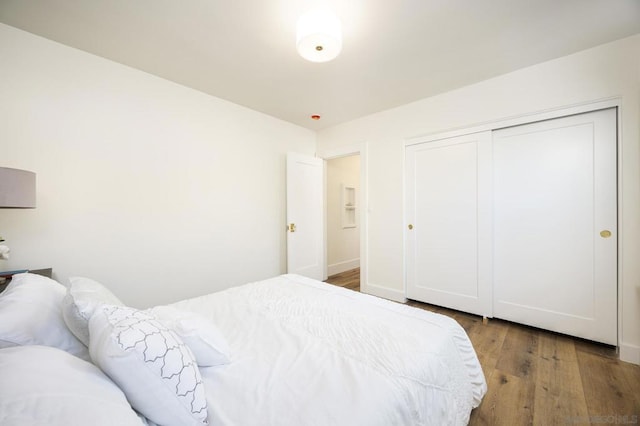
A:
{"x": 150, "y": 363}
{"x": 31, "y": 314}
{"x": 46, "y": 386}
{"x": 205, "y": 340}
{"x": 83, "y": 296}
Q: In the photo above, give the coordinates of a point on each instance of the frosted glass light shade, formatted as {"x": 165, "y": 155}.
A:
{"x": 319, "y": 36}
{"x": 17, "y": 188}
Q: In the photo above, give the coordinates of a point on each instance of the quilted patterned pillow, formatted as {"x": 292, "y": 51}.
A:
{"x": 150, "y": 363}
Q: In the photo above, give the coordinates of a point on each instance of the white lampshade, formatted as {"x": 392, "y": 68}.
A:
{"x": 319, "y": 36}
{"x": 17, "y": 188}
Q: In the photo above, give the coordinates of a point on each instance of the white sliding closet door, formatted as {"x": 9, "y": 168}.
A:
{"x": 554, "y": 227}
{"x": 448, "y": 223}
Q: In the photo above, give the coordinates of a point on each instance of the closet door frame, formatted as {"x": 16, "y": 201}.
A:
{"x": 527, "y": 119}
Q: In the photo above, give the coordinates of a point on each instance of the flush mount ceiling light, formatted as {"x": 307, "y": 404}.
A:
{"x": 319, "y": 36}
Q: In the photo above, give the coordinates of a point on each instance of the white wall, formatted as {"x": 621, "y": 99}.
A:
{"x": 611, "y": 70}
{"x": 159, "y": 191}
{"x": 343, "y": 244}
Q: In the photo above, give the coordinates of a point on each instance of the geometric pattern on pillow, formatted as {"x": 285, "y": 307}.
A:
{"x": 164, "y": 354}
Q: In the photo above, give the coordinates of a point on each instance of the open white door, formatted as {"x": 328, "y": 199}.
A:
{"x": 305, "y": 244}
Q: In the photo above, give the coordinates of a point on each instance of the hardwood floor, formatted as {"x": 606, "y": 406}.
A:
{"x": 349, "y": 279}
{"x": 536, "y": 377}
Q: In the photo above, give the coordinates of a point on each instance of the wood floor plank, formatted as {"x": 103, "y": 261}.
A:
{"x": 611, "y": 388}
{"x": 601, "y": 350}
{"x": 631, "y": 375}
{"x": 348, "y": 279}
{"x": 519, "y": 354}
{"x": 508, "y": 401}
{"x": 559, "y": 396}
{"x": 488, "y": 339}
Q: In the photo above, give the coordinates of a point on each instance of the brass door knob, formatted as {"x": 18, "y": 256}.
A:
{"x": 410, "y": 226}
{"x": 291, "y": 227}
{"x": 605, "y": 234}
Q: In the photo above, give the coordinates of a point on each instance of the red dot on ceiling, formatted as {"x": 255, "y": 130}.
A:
{"x": 315, "y": 117}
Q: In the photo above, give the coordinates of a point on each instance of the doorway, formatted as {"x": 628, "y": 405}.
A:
{"x": 342, "y": 189}
{"x": 345, "y": 212}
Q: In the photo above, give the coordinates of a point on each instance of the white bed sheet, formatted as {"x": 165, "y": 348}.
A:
{"x": 308, "y": 353}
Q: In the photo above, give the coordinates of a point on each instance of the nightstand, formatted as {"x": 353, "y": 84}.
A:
{"x": 5, "y": 276}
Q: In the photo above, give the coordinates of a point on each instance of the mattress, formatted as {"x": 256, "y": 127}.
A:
{"x": 308, "y": 353}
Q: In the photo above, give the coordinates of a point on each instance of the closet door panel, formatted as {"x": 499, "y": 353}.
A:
{"x": 446, "y": 243}
{"x": 554, "y": 192}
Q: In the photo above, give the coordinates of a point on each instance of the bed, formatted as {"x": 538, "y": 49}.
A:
{"x": 283, "y": 351}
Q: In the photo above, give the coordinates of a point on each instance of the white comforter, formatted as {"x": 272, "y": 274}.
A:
{"x": 308, "y": 353}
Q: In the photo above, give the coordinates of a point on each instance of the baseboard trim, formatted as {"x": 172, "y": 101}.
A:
{"x": 339, "y": 267}
{"x": 384, "y": 292}
{"x": 630, "y": 353}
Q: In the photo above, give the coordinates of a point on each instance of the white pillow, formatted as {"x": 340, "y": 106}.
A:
{"x": 83, "y": 296}
{"x": 150, "y": 363}
{"x": 46, "y": 386}
{"x": 205, "y": 340}
{"x": 31, "y": 314}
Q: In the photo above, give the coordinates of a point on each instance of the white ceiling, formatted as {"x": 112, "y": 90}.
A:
{"x": 394, "y": 51}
